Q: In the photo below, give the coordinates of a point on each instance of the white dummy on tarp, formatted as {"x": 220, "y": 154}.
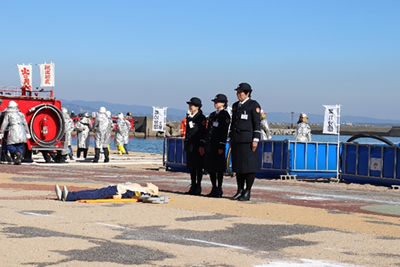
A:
{"x": 332, "y": 126}
{"x": 25, "y": 75}
{"x": 47, "y": 74}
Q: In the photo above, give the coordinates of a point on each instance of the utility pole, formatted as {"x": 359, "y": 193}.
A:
{"x": 292, "y": 125}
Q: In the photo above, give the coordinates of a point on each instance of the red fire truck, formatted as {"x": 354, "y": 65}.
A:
{"x": 43, "y": 115}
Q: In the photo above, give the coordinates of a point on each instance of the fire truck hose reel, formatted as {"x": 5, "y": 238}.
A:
{"x": 60, "y": 131}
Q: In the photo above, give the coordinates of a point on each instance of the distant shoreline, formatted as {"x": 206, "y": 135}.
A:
{"x": 286, "y": 129}
{"x": 393, "y": 131}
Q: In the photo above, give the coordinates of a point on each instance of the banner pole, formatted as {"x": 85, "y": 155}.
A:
{"x": 165, "y": 127}
{"x": 338, "y": 145}
{"x": 163, "y": 152}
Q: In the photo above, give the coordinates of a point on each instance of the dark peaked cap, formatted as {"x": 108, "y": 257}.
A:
{"x": 220, "y": 98}
{"x": 195, "y": 101}
{"x": 244, "y": 87}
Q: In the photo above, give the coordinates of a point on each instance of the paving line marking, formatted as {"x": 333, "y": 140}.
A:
{"x": 217, "y": 244}
{"x": 34, "y": 213}
{"x": 368, "y": 200}
{"x": 112, "y": 225}
{"x": 307, "y": 263}
{"x": 308, "y": 198}
{"x": 189, "y": 239}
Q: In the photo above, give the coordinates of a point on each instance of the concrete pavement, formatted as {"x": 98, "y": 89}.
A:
{"x": 286, "y": 223}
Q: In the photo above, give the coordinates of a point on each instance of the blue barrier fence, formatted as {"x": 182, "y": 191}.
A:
{"x": 370, "y": 164}
{"x": 176, "y": 155}
{"x": 359, "y": 163}
{"x": 305, "y": 160}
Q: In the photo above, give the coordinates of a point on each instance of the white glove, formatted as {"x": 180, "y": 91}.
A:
{"x": 28, "y": 136}
{"x": 1, "y": 136}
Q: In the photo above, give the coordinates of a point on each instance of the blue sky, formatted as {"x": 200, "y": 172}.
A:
{"x": 297, "y": 54}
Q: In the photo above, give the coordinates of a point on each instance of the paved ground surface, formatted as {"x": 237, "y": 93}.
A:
{"x": 286, "y": 223}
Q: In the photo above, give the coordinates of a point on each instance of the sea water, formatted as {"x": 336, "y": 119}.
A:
{"x": 149, "y": 145}
{"x": 155, "y": 145}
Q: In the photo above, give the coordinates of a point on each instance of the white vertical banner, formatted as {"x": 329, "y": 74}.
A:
{"x": 159, "y": 119}
{"x": 332, "y": 126}
{"x": 47, "y": 74}
{"x": 25, "y": 75}
{"x": 331, "y": 119}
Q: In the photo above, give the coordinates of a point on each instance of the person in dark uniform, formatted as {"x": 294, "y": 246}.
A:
{"x": 244, "y": 136}
{"x": 215, "y": 143}
{"x": 194, "y": 144}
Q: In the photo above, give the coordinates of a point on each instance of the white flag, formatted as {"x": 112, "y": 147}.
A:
{"x": 25, "y": 75}
{"x": 159, "y": 119}
{"x": 331, "y": 119}
{"x": 47, "y": 74}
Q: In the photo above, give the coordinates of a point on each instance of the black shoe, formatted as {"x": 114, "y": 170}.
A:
{"x": 219, "y": 191}
{"x": 95, "y": 161}
{"x": 7, "y": 158}
{"x": 238, "y": 194}
{"x": 214, "y": 192}
{"x": 191, "y": 190}
{"x": 245, "y": 196}
{"x": 197, "y": 191}
{"x": 71, "y": 157}
{"x": 106, "y": 160}
{"x": 17, "y": 159}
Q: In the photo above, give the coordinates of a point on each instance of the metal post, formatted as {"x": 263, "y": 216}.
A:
{"x": 395, "y": 163}
{"x": 338, "y": 145}
{"x": 165, "y": 127}
{"x": 164, "y": 150}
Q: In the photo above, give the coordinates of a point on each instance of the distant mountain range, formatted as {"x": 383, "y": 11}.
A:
{"x": 80, "y": 106}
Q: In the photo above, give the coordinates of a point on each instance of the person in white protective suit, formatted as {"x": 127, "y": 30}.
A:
{"x": 110, "y": 129}
{"x": 265, "y": 132}
{"x": 14, "y": 122}
{"x": 69, "y": 127}
{"x": 101, "y": 127}
{"x": 303, "y": 131}
{"x": 83, "y": 128}
{"x": 122, "y": 134}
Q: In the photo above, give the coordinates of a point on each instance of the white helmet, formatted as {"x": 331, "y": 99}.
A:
{"x": 64, "y": 110}
{"x": 86, "y": 114}
{"x": 12, "y": 104}
{"x": 108, "y": 113}
{"x": 120, "y": 116}
{"x": 102, "y": 110}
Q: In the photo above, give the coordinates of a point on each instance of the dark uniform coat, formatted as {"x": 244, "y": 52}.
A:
{"x": 245, "y": 128}
{"x": 194, "y": 138}
{"x": 217, "y": 134}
